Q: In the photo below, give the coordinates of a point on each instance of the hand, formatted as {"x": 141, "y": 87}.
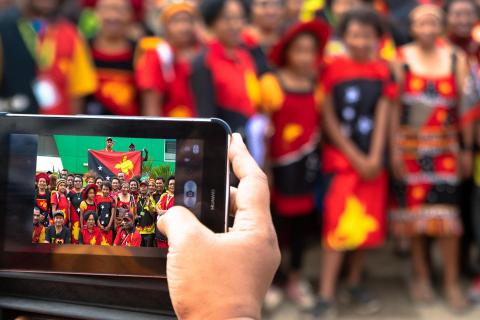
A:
{"x": 370, "y": 168}
{"x": 222, "y": 276}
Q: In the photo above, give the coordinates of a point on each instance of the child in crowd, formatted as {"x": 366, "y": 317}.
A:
{"x": 113, "y": 56}
{"x": 288, "y": 97}
{"x": 358, "y": 91}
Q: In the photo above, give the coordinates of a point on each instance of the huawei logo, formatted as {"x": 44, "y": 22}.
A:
{"x": 212, "y": 199}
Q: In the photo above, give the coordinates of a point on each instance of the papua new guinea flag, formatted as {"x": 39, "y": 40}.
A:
{"x": 110, "y": 164}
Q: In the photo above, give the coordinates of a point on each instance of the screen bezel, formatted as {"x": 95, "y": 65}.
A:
{"x": 137, "y": 262}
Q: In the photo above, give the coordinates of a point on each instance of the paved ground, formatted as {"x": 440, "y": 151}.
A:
{"x": 388, "y": 279}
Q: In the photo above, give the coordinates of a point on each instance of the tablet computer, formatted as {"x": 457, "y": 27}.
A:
{"x": 193, "y": 151}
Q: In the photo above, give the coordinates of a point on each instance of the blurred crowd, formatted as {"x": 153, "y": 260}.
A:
{"x": 364, "y": 114}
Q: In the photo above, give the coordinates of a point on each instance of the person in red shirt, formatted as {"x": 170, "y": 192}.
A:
{"x": 165, "y": 202}
{"x": 289, "y": 98}
{"x": 163, "y": 68}
{"x": 42, "y": 197}
{"x": 38, "y": 233}
{"x": 90, "y": 233}
{"x": 60, "y": 202}
{"x": 89, "y": 201}
{"x": 224, "y": 80}
{"x": 358, "y": 90}
{"x": 128, "y": 235}
{"x": 113, "y": 56}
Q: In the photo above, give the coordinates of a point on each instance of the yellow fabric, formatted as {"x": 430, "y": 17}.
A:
{"x": 253, "y": 88}
{"x": 388, "y": 51}
{"x": 353, "y": 226}
{"x": 476, "y": 173}
{"x": 145, "y": 44}
{"x": 319, "y": 96}
{"x": 41, "y": 238}
{"x": 148, "y": 207}
{"x": 82, "y": 79}
{"x": 176, "y": 7}
{"x": 272, "y": 96}
{"x": 309, "y": 7}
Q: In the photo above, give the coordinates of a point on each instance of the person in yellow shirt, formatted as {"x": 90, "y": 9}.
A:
{"x": 38, "y": 233}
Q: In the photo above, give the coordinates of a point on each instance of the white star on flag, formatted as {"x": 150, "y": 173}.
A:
{"x": 78, "y": 210}
{"x": 107, "y": 178}
{"x": 100, "y": 168}
{"x": 102, "y": 206}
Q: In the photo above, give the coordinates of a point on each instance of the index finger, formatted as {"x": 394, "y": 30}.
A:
{"x": 252, "y": 196}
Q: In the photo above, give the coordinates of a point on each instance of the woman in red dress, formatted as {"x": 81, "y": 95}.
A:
{"x": 427, "y": 151}
{"x": 125, "y": 203}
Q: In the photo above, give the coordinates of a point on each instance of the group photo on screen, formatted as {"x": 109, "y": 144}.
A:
{"x": 109, "y": 191}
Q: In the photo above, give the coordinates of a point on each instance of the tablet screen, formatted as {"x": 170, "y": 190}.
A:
{"x": 98, "y": 191}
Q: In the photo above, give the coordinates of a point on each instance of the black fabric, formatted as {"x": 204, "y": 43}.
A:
{"x": 261, "y": 62}
{"x": 19, "y": 67}
{"x": 298, "y": 177}
{"x": 355, "y": 105}
{"x": 291, "y": 231}
{"x": 201, "y": 82}
{"x": 57, "y": 238}
{"x": 104, "y": 210}
{"x": 144, "y": 217}
{"x": 147, "y": 240}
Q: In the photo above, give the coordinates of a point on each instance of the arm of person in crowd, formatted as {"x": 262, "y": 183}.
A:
{"x": 77, "y": 105}
{"x": 396, "y": 156}
{"x": 234, "y": 284}
{"x": 112, "y": 216}
{"x": 48, "y": 236}
{"x": 82, "y": 207}
{"x": 379, "y": 137}
{"x": 467, "y": 128}
{"x": 99, "y": 225}
{"x": 69, "y": 214}
{"x": 331, "y": 126}
{"x": 151, "y": 103}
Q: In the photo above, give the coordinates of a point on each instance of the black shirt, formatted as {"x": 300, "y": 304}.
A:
{"x": 57, "y": 238}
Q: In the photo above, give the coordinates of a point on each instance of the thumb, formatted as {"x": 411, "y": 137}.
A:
{"x": 179, "y": 224}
